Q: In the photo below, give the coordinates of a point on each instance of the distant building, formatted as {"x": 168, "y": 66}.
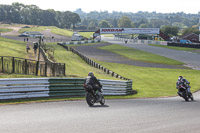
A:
{"x": 192, "y": 37}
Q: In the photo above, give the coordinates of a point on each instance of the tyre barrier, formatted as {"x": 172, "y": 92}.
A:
{"x": 14, "y": 88}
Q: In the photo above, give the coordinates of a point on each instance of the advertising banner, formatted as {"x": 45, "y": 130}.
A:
{"x": 129, "y": 30}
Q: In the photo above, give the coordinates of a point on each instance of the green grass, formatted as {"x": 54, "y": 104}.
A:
{"x": 154, "y": 82}
{"x": 12, "y": 48}
{"x": 34, "y": 28}
{"x": 108, "y": 35}
{"x": 53, "y": 29}
{"x": 17, "y": 76}
{"x": 2, "y": 30}
{"x": 75, "y": 66}
{"x": 63, "y": 32}
{"x": 87, "y": 34}
{"x": 196, "y": 50}
{"x": 139, "y": 55}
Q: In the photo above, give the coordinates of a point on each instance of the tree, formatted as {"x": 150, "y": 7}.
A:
{"x": 104, "y": 24}
{"x": 75, "y": 18}
{"x": 170, "y": 30}
{"x": 143, "y": 26}
{"x": 191, "y": 30}
{"x": 91, "y": 25}
{"x": 125, "y": 22}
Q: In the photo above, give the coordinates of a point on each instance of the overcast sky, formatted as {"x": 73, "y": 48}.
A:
{"x": 160, "y": 6}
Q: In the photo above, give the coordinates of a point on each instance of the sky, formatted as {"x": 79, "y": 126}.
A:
{"x": 159, "y": 6}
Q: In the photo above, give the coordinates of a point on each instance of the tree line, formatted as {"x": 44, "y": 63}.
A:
{"x": 171, "y": 24}
{"x": 33, "y": 15}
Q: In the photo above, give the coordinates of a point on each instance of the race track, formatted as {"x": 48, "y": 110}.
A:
{"x": 191, "y": 59}
{"x": 156, "y": 115}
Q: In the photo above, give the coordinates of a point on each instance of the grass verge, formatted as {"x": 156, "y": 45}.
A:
{"x": 140, "y": 55}
{"x": 154, "y": 82}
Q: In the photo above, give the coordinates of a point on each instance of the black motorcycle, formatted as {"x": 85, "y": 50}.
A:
{"x": 93, "y": 96}
{"x": 182, "y": 91}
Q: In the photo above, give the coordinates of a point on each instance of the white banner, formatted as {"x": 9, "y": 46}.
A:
{"x": 129, "y": 30}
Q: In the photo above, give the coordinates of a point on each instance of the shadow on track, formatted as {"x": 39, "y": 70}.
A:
{"x": 99, "y": 106}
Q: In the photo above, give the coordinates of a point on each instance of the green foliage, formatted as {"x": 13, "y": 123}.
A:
{"x": 170, "y": 30}
{"x": 191, "y": 30}
{"x": 31, "y": 14}
{"x": 104, "y": 24}
{"x": 125, "y": 22}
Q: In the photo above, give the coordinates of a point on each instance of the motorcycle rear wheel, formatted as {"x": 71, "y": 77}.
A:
{"x": 102, "y": 102}
{"x": 90, "y": 99}
{"x": 191, "y": 97}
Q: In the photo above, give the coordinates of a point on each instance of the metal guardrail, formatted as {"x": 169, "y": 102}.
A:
{"x": 183, "y": 45}
{"x": 141, "y": 41}
{"x": 14, "y": 88}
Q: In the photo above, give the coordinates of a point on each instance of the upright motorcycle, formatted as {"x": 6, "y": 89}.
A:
{"x": 182, "y": 91}
{"x": 93, "y": 96}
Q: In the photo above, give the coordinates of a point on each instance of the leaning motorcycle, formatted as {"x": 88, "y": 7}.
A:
{"x": 182, "y": 91}
{"x": 93, "y": 96}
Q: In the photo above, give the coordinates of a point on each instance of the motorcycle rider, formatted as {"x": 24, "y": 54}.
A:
{"x": 185, "y": 81}
{"x": 92, "y": 80}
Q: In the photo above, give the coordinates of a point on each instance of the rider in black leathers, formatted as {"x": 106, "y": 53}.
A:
{"x": 92, "y": 80}
{"x": 185, "y": 81}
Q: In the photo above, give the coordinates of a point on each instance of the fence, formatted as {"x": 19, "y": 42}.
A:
{"x": 14, "y": 88}
{"x": 30, "y": 67}
{"x": 93, "y": 63}
{"x": 141, "y": 41}
{"x": 79, "y": 42}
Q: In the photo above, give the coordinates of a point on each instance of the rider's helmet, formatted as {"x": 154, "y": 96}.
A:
{"x": 180, "y": 78}
{"x": 90, "y": 74}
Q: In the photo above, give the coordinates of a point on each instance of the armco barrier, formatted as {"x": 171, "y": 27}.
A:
{"x": 183, "y": 45}
{"x": 79, "y": 42}
{"x": 14, "y": 88}
{"x": 142, "y": 41}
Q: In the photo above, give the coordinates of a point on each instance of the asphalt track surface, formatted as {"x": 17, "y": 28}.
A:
{"x": 156, "y": 115}
{"x": 152, "y": 115}
{"x": 94, "y": 52}
{"x": 191, "y": 59}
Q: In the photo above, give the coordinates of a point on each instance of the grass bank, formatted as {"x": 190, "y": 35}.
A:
{"x": 3, "y": 30}
{"x": 13, "y": 48}
{"x": 75, "y": 66}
